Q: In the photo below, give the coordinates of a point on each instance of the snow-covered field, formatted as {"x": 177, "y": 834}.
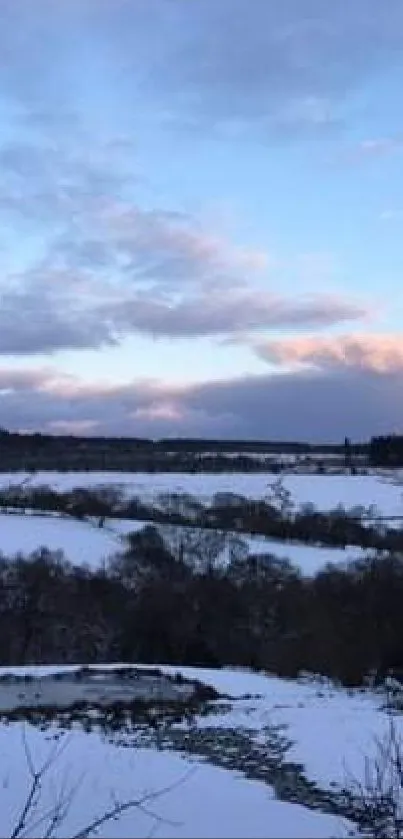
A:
{"x": 325, "y": 491}
{"x": 330, "y": 731}
{"x": 83, "y": 543}
{"x": 308, "y": 558}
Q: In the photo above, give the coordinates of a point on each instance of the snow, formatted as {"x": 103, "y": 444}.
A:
{"x": 191, "y": 800}
{"x": 331, "y": 729}
{"x": 325, "y": 491}
{"x": 83, "y": 543}
{"x": 308, "y": 558}
{"x": 123, "y": 527}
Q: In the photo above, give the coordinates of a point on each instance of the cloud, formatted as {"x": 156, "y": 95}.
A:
{"x": 284, "y": 65}
{"x": 108, "y": 265}
{"x": 377, "y": 353}
{"x": 41, "y": 320}
{"x": 79, "y": 195}
{"x": 86, "y": 262}
{"x": 52, "y": 311}
{"x": 111, "y": 268}
{"x": 58, "y": 175}
{"x": 313, "y": 406}
{"x": 244, "y": 310}
{"x": 167, "y": 247}
{"x": 321, "y": 406}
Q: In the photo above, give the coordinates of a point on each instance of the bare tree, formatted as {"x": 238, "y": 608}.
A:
{"x": 279, "y": 497}
{"x": 199, "y": 549}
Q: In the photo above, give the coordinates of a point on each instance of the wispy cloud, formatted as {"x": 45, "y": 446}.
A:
{"x": 216, "y": 314}
{"x": 55, "y": 311}
{"x": 110, "y": 268}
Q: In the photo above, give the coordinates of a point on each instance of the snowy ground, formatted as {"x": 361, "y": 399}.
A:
{"x": 331, "y": 728}
{"x": 331, "y": 731}
{"x": 309, "y": 559}
{"x": 83, "y": 543}
{"x": 325, "y": 491}
{"x": 199, "y": 801}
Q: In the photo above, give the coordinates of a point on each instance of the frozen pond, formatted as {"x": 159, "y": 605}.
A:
{"x": 92, "y": 687}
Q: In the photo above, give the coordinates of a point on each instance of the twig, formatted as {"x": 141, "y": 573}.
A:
{"x": 134, "y": 804}
{"x": 37, "y": 777}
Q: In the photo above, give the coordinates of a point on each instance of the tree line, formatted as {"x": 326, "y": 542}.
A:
{"x": 33, "y": 452}
{"x": 160, "y": 601}
{"x": 276, "y": 516}
{"x": 386, "y": 451}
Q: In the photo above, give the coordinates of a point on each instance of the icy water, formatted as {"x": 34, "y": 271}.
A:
{"x": 65, "y": 690}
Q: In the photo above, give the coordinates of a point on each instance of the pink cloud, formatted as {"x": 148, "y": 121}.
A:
{"x": 379, "y": 353}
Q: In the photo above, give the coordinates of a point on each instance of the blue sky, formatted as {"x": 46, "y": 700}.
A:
{"x": 201, "y": 215}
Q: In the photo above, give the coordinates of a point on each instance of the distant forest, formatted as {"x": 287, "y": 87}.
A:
{"x": 33, "y": 452}
{"x": 386, "y": 451}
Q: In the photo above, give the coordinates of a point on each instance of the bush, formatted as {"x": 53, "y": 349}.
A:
{"x": 376, "y": 802}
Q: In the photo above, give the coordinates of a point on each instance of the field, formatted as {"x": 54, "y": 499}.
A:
{"x": 83, "y": 543}
{"x": 325, "y": 491}
{"x": 268, "y": 758}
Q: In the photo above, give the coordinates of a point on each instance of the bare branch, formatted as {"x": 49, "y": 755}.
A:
{"x": 28, "y": 806}
{"x": 135, "y": 804}
{"x": 55, "y": 814}
{"x": 24, "y": 824}
{"x": 50, "y": 820}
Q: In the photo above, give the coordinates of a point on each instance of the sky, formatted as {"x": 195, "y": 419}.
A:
{"x": 201, "y": 207}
